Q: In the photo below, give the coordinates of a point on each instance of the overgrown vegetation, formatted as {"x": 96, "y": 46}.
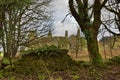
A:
{"x": 114, "y": 61}
{"x": 23, "y": 23}
{"x": 51, "y": 62}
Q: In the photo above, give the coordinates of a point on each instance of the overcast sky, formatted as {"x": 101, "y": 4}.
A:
{"x": 60, "y": 11}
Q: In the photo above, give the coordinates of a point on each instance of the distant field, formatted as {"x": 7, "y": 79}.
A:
{"x": 83, "y": 54}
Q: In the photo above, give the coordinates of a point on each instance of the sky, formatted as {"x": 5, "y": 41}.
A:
{"x": 60, "y": 8}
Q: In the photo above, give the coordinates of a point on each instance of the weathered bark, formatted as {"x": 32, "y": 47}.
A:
{"x": 93, "y": 49}
{"x": 6, "y": 55}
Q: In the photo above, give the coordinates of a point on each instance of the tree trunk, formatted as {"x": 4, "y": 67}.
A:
{"x": 14, "y": 52}
{"x": 93, "y": 50}
{"x": 6, "y": 55}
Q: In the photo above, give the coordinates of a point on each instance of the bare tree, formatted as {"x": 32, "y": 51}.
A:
{"x": 17, "y": 19}
{"x": 113, "y": 23}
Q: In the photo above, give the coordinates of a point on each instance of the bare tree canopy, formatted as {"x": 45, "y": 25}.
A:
{"x": 112, "y": 19}
{"x": 18, "y": 18}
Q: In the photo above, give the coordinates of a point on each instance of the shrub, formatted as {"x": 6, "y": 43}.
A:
{"x": 114, "y": 60}
{"x": 46, "y": 51}
{"x": 44, "y": 58}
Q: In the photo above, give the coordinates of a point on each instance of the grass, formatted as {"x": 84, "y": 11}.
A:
{"x": 83, "y": 54}
{"x": 55, "y": 68}
{"x": 61, "y": 67}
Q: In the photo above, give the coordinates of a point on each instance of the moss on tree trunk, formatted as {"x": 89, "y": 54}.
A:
{"x": 93, "y": 49}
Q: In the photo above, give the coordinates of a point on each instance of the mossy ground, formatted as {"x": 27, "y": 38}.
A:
{"x": 59, "y": 66}
{"x": 54, "y": 69}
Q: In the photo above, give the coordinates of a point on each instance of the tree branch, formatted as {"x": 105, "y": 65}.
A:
{"x": 74, "y": 12}
{"x": 118, "y": 34}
